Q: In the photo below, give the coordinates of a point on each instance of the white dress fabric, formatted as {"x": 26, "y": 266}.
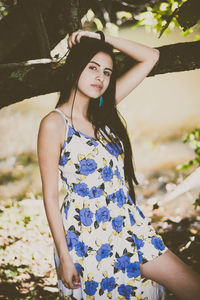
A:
{"x": 107, "y": 235}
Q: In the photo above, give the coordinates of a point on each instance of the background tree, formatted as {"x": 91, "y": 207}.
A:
{"x": 30, "y": 29}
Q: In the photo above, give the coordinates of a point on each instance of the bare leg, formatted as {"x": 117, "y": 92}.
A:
{"x": 175, "y": 275}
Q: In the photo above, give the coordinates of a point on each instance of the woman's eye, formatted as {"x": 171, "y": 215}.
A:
{"x": 92, "y": 67}
{"x": 107, "y": 73}
{"x": 95, "y": 68}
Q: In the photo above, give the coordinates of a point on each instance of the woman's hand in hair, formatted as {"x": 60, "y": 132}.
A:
{"x": 76, "y": 36}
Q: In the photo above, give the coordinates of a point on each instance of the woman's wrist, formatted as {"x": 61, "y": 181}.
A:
{"x": 65, "y": 257}
{"x": 133, "y": 49}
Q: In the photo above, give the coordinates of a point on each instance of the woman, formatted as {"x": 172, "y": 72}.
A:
{"x": 104, "y": 247}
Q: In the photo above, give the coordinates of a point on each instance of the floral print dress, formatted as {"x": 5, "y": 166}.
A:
{"x": 107, "y": 235}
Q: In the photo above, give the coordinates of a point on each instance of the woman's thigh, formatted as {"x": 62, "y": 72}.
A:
{"x": 170, "y": 271}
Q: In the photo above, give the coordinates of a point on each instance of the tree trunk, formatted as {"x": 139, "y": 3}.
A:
{"x": 18, "y": 41}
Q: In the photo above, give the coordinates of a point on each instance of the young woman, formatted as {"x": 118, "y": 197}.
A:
{"x": 104, "y": 247}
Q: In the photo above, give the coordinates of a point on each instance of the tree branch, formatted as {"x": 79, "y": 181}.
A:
{"x": 28, "y": 79}
{"x": 173, "y": 58}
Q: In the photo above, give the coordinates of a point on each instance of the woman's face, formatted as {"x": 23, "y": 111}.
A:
{"x": 95, "y": 78}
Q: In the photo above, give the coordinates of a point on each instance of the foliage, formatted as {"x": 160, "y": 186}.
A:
{"x": 165, "y": 15}
{"x": 3, "y": 9}
{"x": 194, "y": 141}
{"x": 6, "y": 6}
{"x": 161, "y": 17}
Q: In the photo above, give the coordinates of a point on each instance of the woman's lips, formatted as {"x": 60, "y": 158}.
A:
{"x": 99, "y": 87}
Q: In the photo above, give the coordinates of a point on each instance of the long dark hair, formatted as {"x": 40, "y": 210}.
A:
{"x": 77, "y": 59}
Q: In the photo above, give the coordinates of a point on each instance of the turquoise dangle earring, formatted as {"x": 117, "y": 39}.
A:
{"x": 101, "y": 101}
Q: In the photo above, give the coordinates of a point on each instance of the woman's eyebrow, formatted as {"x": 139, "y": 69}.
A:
{"x": 94, "y": 62}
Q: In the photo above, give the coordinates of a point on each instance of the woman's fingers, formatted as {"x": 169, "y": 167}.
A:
{"x": 76, "y": 36}
{"x": 73, "y": 37}
{"x": 79, "y": 36}
{"x": 77, "y": 281}
{"x": 74, "y": 283}
{"x": 65, "y": 283}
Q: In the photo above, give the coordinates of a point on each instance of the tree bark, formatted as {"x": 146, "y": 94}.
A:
{"x": 37, "y": 24}
{"x": 173, "y": 58}
{"x": 19, "y": 43}
{"x": 25, "y": 80}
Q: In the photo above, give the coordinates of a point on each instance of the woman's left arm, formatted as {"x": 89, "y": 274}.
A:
{"x": 146, "y": 57}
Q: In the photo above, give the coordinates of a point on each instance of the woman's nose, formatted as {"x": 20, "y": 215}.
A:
{"x": 100, "y": 75}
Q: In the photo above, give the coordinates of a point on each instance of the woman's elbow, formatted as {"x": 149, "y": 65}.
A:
{"x": 156, "y": 55}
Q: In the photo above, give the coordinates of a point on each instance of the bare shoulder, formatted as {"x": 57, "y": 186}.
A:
{"x": 52, "y": 121}
{"x": 52, "y": 126}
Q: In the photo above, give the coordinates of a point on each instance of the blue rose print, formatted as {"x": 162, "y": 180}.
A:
{"x": 117, "y": 173}
{"x": 66, "y": 210}
{"x": 140, "y": 212}
{"x": 117, "y": 223}
{"x": 112, "y": 197}
{"x": 110, "y": 204}
{"x": 95, "y": 143}
{"x": 70, "y": 131}
{"x": 113, "y": 149}
{"x": 86, "y": 216}
{"x": 140, "y": 256}
{"x": 121, "y": 199}
{"x": 102, "y": 214}
{"x": 125, "y": 290}
{"x": 132, "y": 220}
{"x": 122, "y": 263}
{"x": 107, "y": 173}
{"x": 63, "y": 160}
{"x": 91, "y": 287}
{"x": 78, "y": 267}
{"x": 72, "y": 239}
{"x": 133, "y": 270}
{"x": 81, "y": 189}
{"x": 139, "y": 242}
{"x": 95, "y": 192}
{"x": 157, "y": 242}
{"x": 108, "y": 284}
{"x": 87, "y": 166}
{"x": 129, "y": 198}
{"x": 81, "y": 249}
{"x": 103, "y": 252}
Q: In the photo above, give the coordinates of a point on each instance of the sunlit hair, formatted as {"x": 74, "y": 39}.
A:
{"x": 79, "y": 56}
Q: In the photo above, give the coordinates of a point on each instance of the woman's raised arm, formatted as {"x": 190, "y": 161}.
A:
{"x": 146, "y": 57}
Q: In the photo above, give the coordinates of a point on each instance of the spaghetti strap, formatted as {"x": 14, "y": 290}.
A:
{"x": 65, "y": 120}
{"x": 62, "y": 114}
